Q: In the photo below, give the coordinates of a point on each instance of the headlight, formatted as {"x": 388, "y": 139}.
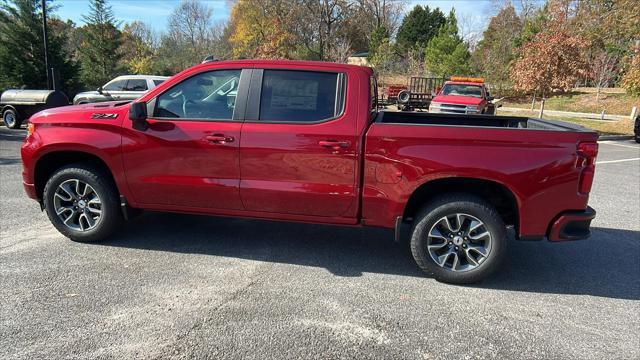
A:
{"x": 472, "y": 108}
{"x": 434, "y": 107}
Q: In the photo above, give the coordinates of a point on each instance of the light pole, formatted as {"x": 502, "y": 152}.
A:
{"x": 46, "y": 43}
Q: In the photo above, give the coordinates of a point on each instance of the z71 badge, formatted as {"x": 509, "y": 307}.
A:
{"x": 104, "y": 116}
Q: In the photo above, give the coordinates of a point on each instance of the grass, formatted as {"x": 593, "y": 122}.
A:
{"x": 611, "y": 103}
{"x": 621, "y": 127}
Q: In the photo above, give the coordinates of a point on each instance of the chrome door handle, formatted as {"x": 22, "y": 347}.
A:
{"x": 219, "y": 138}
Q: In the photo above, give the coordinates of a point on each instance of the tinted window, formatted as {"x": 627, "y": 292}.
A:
{"x": 137, "y": 85}
{"x": 302, "y": 96}
{"x": 117, "y": 85}
{"x": 210, "y": 95}
{"x": 157, "y": 82}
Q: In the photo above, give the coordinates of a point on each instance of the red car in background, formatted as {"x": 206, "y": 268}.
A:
{"x": 461, "y": 95}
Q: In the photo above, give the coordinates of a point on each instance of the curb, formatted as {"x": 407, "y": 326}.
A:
{"x": 615, "y": 137}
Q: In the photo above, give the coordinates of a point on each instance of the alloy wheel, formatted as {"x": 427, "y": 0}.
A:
{"x": 459, "y": 242}
{"x": 78, "y": 205}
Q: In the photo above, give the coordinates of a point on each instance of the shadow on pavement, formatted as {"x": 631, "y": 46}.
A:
{"x": 606, "y": 265}
{"x": 12, "y": 135}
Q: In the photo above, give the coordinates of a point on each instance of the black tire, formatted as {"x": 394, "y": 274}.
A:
{"x": 452, "y": 204}
{"x": 111, "y": 217}
{"x": 11, "y": 119}
{"x": 638, "y": 139}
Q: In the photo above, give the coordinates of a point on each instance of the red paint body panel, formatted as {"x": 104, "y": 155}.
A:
{"x": 285, "y": 171}
{"x": 540, "y": 172}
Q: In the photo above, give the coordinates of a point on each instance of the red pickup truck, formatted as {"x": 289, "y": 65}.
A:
{"x": 303, "y": 141}
{"x": 462, "y": 95}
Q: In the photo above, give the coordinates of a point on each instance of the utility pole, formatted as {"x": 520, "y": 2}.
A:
{"x": 46, "y": 43}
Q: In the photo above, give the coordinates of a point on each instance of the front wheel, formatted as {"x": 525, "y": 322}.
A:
{"x": 82, "y": 203}
{"x": 459, "y": 239}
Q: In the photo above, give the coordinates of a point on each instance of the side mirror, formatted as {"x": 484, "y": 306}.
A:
{"x": 138, "y": 115}
{"x": 99, "y": 90}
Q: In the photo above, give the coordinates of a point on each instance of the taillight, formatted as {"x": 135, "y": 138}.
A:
{"x": 587, "y": 152}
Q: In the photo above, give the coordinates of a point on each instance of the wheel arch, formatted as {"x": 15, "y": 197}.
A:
{"x": 10, "y": 107}
{"x": 495, "y": 193}
{"x": 48, "y": 163}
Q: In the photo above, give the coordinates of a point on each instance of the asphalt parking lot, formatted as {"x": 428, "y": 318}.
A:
{"x": 179, "y": 286}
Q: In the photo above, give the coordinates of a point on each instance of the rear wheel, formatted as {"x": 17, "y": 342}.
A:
{"x": 82, "y": 203}
{"x": 459, "y": 239}
{"x": 11, "y": 120}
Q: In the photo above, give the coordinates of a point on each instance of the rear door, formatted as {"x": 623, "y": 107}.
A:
{"x": 189, "y": 155}
{"x": 298, "y": 147}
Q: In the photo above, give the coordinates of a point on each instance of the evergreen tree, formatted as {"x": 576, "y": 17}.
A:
{"x": 418, "y": 27}
{"x": 22, "y": 49}
{"x": 99, "y": 55}
{"x": 446, "y": 54}
{"x": 378, "y": 37}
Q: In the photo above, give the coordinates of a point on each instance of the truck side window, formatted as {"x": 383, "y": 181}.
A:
{"x": 136, "y": 85}
{"x": 210, "y": 96}
{"x": 117, "y": 85}
{"x": 301, "y": 96}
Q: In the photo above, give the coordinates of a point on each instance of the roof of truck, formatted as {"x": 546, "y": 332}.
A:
{"x": 292, "y": 63}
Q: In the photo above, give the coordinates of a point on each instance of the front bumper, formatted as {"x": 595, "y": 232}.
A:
{"x": 572, "y": 225}
{"x": 453, "y": 109}
{"x": 30, "y": 189}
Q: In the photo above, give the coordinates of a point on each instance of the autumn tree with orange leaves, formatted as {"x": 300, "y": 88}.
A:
{"x": 552, "y": 61}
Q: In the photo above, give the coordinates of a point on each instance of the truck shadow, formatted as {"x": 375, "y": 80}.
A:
{"x": 607, "y": 265}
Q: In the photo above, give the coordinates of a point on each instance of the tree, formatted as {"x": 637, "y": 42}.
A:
{"x": 496, "y": 50}
{"x": 22, "y": 49}
{"x": 98, "y": 52}
{"x": 446, "y": 54}
{"x": 379, "y": 36}
{"x": 631, "y": 79}
{"x": 552, "y": 61}
{"x": 418, "y": 27}
{"x": 260, "y": 29}
{"x": 137, "y": 48}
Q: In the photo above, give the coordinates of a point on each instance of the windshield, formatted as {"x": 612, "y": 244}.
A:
{"x": 462, "y": 90}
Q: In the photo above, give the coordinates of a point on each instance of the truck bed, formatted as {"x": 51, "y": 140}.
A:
{"x": 422, "y": 118}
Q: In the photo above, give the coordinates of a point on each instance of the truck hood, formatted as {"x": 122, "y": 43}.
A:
{"x": 461, "y": 100}
{"x": 87, "y": 94}
{"x": 81, "y": 112}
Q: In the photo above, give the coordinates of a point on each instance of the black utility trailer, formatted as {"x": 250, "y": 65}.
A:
{"x": 419, "y": 92}
{"x": 18, "y": 105}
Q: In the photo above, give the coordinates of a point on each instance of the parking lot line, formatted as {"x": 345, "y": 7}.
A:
{"x": 616, "y": 161}
{"x": 615, "y": 144}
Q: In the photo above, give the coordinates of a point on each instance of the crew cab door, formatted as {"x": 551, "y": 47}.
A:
{"x": 298, "y": 147}
{"x": 188, "y": 156}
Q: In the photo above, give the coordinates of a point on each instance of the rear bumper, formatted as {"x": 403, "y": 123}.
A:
{"x": 572, "y": 225}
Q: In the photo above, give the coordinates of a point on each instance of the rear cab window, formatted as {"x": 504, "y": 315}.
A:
{"x": 301, "y": 96}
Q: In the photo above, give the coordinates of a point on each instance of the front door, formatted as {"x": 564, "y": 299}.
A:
{"x": 298, "y": 147}
{"x": 189, "y": 155}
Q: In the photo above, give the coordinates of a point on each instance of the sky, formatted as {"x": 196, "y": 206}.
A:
{"x": 473, "y": 15}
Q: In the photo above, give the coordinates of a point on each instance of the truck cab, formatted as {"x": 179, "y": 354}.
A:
{"x": 462, "y": 95}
